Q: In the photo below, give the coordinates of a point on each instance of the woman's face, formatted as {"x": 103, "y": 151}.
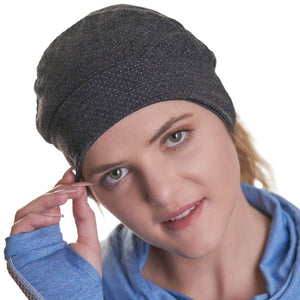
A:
{"x": 170, "y": 173}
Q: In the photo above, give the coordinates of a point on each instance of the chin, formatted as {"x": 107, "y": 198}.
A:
{"x": 194, "y": 251}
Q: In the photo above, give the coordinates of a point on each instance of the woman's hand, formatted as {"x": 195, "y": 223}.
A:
{"x": 45, "y": 211}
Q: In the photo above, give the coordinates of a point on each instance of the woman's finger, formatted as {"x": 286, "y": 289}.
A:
{"x": 67, "y": 178}
{"x": 33, "y": 221}
{"x": 85, "y": 222}
{"x": 54, "y": 198}
{"x": 87, "y": 244}
{"x": 54, "y": 210}
{"x": 83, "y": 214}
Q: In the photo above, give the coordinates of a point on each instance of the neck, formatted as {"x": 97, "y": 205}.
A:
{"x": 230, "y": 271}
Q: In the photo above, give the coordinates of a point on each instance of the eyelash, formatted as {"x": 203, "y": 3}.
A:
{"x": 186, "y": 139}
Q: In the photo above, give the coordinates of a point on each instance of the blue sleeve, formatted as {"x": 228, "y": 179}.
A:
{"x": 45, "y": 267}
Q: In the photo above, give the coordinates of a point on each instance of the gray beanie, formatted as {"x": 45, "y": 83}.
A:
{"x": 116, "y": 61}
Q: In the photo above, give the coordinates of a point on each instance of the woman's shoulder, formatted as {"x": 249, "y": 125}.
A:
{"x": 269, "y": 202}
{"x": 122, "y": 242}
{"x": 123, "y": 254}
{"x": 280, "y": 263}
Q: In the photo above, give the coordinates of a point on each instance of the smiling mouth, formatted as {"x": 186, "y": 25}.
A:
{"x": 182, "y": 212}
{"x": 184, "y": 217}
{"x": 185, "y": 213}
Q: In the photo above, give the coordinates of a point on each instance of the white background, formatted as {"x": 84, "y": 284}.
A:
{"x": 257, "y": 48}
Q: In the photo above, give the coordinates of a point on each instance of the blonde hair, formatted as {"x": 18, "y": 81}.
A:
{"x": 254, "y": 169}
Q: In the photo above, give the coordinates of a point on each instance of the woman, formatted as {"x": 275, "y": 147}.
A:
{"x": 132, "y": 100}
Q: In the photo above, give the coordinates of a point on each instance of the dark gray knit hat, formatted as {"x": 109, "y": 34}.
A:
{"x": 113, "y": 62}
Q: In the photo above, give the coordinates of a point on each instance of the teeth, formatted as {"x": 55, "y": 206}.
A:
{"x": 184, "y": 214}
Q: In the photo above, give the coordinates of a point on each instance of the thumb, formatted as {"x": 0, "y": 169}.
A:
{"x": 67, "y": 178}
{"x": 84, "y": 216}
{"x": 85, "y": 221}
{"x": 87, "y": 245}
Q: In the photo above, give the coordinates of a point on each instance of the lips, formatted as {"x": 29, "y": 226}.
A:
{"x": 185, "y": 209}
{"x": 183, "y": 217}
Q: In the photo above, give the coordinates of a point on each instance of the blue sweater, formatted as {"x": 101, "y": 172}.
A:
{"x": 46, "y": 268}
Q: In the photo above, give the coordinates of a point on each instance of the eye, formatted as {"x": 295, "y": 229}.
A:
{"x": 115, "y": 175}
{"x": 175, "y": 138}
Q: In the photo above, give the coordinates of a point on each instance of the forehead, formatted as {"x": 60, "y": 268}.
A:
{"x": 141, "y": 125}
{"x": 148, "y": 119}
{"x": 133, "y": 134}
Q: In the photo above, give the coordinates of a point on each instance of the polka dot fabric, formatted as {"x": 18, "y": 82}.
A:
{"x": 114, "y": 62}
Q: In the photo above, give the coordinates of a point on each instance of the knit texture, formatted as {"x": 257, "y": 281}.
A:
{"x": 114, "y": 62}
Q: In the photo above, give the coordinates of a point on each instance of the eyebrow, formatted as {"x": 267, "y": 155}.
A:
{"x": 167, "y": 125}
{"x": 105, "y": 167}
{"x": 159, "y": 132}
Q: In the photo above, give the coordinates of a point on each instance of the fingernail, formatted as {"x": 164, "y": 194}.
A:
{"x": 81, "y": 183}
{"x": 52, "y": 215}
{"x": 64, "y": 191}
{"x": 69, "y": 170}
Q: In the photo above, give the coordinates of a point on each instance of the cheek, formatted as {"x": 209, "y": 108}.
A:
{"x": 137, "y": 217}
{"x": 216, "y": 170}
{"x": 213, "y": 168}
{"x": 222, "y": 178}
{"x": 224, "y": 169}
{"x": 127, "y": 207}
{"x": 215, "y": 161}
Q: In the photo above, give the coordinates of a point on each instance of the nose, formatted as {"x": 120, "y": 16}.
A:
{"x": 160, "y": 181}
